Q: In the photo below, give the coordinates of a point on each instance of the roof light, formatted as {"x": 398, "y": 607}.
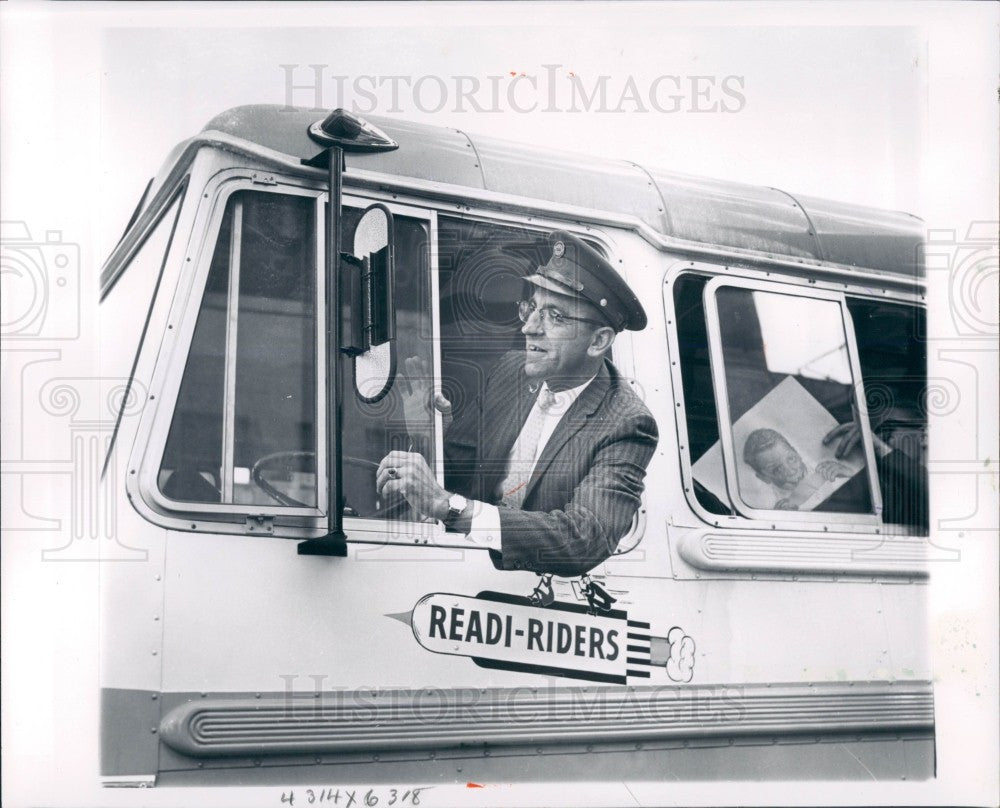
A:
{"x": 351, "y": 133}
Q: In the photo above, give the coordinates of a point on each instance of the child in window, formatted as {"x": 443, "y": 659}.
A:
{"x": 779, "y": 464}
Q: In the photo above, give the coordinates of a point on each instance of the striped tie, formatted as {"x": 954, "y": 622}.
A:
{"x": 522, "y": 456}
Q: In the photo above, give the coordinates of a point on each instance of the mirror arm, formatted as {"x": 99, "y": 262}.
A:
{"x": 334, "y": 543}
{"x": 338, "y": 133}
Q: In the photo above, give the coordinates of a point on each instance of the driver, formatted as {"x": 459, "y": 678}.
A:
{"x": 546, "y": 467}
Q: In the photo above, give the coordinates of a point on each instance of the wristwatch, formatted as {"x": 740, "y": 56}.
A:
{"x": 456, "y": 504}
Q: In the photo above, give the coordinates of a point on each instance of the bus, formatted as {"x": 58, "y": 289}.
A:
{"x": 286, "y": 623}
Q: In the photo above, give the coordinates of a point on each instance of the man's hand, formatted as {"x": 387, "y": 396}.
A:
{"x": 416, "y": 385}
{"x": 849, "y": 435}
{"x": 407, "y": 473}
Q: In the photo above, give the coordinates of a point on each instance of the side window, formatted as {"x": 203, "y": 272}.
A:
{"x": 372, "y": 429}
{"x": 481, "y": 271}
{"x": 782, "y": 367}
{"x": 246, "y": 430}
{"x": 244, "y": 426}
{"x": 780, "y": 371}
{"x": 893, "y": 356}
{"x": 481, "y": 266}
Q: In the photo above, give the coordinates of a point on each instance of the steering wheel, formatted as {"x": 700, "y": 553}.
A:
{"x": 367, "y": 468}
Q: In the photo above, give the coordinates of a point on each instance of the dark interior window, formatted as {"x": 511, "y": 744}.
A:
{"x": 481, "y": 270}
{"x": 696, "y": 378}
{"x": 893, "y": 355}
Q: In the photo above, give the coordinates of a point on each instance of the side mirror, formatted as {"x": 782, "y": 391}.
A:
{"x": 368, "y": 285}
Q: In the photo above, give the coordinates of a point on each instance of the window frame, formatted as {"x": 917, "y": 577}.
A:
{"x": 221, "y": 179}
{"x": 396, "y": 531}
{"x": 147, "y": 452}
{"x": 717, "y": 359}
{"x": 178, "y": 197}
{"x": 806, "y": 281}
{"x": 150, "y": 444}
{"x": 623, "y": 348}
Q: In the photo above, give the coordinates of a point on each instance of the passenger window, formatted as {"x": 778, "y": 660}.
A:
{"x": 785, "y": 371}
{"x": 244, "y": 425}
{"x": 787, "y": 383}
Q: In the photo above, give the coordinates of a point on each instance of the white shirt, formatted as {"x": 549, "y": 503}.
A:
{"x": 485, "y": 528}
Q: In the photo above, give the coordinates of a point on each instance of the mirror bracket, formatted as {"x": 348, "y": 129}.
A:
{"x": 339, "y": 133}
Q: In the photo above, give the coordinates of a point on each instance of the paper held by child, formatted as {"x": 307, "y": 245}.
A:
{"x": 781, "y": 462}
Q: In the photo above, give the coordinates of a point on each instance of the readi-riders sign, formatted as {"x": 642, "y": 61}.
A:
{"x": 498, "y": 630}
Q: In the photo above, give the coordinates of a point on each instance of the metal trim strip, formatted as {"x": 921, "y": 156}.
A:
{"x": 440, "y": 192}
{"x": 219, "y": 726}
{"x": 826, "y": 553}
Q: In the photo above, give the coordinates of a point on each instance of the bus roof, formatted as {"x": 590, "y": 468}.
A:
{"x": 696, "y": 209}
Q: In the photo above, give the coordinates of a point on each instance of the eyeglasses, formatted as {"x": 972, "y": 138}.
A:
{"x": 550, "y": 316}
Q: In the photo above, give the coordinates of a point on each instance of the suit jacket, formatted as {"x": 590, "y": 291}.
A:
{"x": 585, "y": 487}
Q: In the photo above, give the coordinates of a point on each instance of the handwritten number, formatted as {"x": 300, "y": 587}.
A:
{"x": 371, "y": 797}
